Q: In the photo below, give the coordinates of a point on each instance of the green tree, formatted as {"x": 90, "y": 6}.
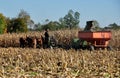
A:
{"x": 62, "y": 23}
{"x": 3, "y": 24}
{"x": 8, "y": 21}
{"x": 37, "y": 27}
{"x": 114, "y": 26}
{"x": 52, "y": 25}
{"x": 31, "y": 25}
{"x": 26, "y": 17}
{"x": 71, "y": 20}
{"x": 17, "y": 25}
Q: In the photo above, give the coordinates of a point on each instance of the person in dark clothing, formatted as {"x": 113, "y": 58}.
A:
{"x": 46, "y": 34}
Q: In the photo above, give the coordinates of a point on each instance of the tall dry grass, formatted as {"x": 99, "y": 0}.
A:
{"x": 63, "y": 37}
{"x": 115, "y": 41}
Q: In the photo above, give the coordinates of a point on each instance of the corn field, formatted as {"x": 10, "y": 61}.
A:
{"x": 16, "y": 62}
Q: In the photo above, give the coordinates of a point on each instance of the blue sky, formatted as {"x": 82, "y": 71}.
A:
{"x": 104, "y": 11}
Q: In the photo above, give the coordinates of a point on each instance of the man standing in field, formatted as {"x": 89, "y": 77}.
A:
{"x": 46, "y": 34}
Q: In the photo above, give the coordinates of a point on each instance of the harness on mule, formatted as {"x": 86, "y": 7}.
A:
{"x": 52, "y": 42}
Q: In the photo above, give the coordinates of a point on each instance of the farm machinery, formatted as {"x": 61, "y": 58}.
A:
{"x": 89, "y": 38}
{"x": 92, "y": 39}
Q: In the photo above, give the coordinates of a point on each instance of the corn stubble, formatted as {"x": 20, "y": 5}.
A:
{"x": 18, "y": 62}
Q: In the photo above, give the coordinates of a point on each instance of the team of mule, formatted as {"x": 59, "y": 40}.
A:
{"x": 36, "y": 42}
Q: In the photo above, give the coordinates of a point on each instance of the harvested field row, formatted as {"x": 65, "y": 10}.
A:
{"x": 57, "y": 63}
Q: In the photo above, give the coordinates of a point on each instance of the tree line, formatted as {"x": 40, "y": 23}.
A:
{"x": 24, "y": 23}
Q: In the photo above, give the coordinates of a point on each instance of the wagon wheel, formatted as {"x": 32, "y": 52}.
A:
{"x": 91, "y": 48}
{"x": 109, "y": 48}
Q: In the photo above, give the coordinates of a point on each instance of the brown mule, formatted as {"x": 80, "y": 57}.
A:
{"x": 22, "y": 42}
{"x": 40, "y": 42}
{"x": 31, "y": 42}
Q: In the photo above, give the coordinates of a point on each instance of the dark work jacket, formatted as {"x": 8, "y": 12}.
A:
{"x": 46, "y": 37}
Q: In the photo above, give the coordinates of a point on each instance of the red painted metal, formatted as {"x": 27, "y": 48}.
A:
{"x": 97, "y": 38}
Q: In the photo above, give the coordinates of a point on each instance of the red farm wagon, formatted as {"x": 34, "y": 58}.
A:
{"x": 97, "y": 39}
